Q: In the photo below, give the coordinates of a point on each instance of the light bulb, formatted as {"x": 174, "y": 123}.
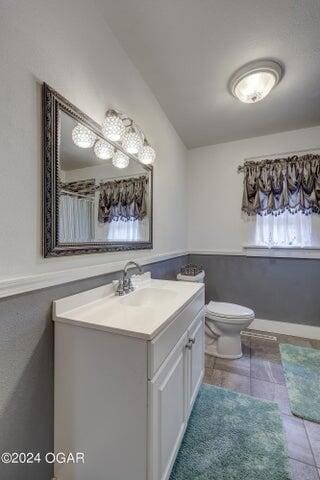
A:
{"x": 112, "y": 126}
{"x": 103, "y": 149}
{"x": 255, "y": 80}
{"x": 132, "y": 141}
{"x": 255, "y": 86}
{"x": 147, "y": 155}
{"x": 82, "y": 136}
{"x": 120, "y": 160}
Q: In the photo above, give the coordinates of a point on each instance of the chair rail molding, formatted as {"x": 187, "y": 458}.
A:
{"x": 16, "y": 285}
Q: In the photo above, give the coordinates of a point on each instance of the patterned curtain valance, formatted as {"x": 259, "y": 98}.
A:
{"x": 273, "y": 186}
{"x": 123, "y": 200}
{"x": 81, "y": 187}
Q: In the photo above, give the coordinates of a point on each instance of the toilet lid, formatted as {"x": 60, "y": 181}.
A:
{"x": 229, "y": 310}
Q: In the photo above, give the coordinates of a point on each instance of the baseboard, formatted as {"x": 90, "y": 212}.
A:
{"x": 285, "y": 328}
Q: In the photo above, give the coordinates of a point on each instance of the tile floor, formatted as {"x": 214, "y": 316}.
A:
{"x": 259, "y": 374}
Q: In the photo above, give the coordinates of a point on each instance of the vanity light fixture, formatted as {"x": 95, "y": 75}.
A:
{"x": 255, "y": 80}
{"x": 132, "y": 140}
{"x": 118, "y": 127}
{"x": 82, "y": 136}
{"x": 113, "y": 127}
{"x": 120, "y": 160}
{"x": 103, "y": 150}
{"x": 147, "y": 154}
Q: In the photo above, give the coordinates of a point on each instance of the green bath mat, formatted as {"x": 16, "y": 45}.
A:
{"x": 301, "y": 367}
{"x": 231, "y": 436}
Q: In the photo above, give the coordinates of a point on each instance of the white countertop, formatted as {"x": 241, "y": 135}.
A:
{"x": 142, "y": 313}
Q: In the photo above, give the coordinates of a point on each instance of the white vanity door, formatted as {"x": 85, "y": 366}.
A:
{"x": 168, "y": 398}
{"x": 195, "y": 357}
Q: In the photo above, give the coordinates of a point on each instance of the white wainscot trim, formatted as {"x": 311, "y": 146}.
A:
{"x": 17, "y": 285}
{"x": 216, "y": 252}
{"x": 257, "y": 251}
{"x": 285, "y": 328}
{"x": 281, "y": 252}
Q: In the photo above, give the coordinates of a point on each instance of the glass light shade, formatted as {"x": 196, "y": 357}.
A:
{"x": 147, "y": 155}
{"x": 132, "y": 141}
{"x": 82, "y": 136}
{"x": 103, "y": 149}
{"x": 112, "y": 127}
{"x": 255, "y": 86}
{"x": 120, "y": 160}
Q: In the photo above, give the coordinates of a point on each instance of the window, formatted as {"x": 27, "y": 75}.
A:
{"x": 286, "y": 230}
{"x": 281, "y": 198}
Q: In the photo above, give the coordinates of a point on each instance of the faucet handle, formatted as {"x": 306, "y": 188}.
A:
{"x": 128, "y": 285}
{"x": 120, "y": 288}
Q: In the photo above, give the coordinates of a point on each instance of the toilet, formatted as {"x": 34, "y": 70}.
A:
{"x": 224, "y": 323}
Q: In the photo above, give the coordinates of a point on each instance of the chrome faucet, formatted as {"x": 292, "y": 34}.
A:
{"x": 125, "y": 284}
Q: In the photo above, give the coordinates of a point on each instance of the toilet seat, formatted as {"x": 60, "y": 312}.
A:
{"x": 229, "y": 312}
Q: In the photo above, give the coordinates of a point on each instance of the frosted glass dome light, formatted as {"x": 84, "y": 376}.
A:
{"x": 103, "y": 149}
{"x": 120, "y": 159}
{"x": 132, "y": 141}
{"x": 82, "y": 136}
{"x": 112, "y": 126}
{"x": 254, "y": 81}
{"x": 147, "y": 155}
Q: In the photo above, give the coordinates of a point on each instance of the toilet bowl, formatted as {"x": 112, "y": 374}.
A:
{"x": 224, "y": 322}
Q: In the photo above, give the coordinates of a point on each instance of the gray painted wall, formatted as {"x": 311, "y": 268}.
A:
{"x": 26, "y": 369}
{"x": 283, "y": 289}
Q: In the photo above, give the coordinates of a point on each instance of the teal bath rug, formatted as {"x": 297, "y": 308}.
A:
{"x": 301, "y": 367}
{"x": 231, "y": 436}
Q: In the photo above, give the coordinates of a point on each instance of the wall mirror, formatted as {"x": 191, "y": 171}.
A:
{"x": 96, "y": 198}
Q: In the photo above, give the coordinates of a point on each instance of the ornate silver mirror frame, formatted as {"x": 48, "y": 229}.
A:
{"x": 53, "y": 105}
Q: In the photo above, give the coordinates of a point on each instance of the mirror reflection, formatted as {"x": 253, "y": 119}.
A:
{"x": 104, "y": 196}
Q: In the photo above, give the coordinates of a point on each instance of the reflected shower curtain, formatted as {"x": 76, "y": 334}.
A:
{"x": 76, "y": 219}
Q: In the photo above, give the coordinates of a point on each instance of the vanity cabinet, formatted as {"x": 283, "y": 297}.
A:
{"x": 172, "y": 393}
{"x": 125, "y": 401}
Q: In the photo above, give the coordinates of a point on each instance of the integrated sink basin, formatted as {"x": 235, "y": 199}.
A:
{"x": 148, "y": 297}
{"x": 142, "y": 313}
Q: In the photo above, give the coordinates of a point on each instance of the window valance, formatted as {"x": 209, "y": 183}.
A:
{"x": 82, "y": 187}
{"x": 123, "y": 199}
{"x": 284, "y": 184}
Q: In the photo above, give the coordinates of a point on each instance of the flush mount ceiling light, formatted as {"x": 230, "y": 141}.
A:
{"x": 254, "y": 81}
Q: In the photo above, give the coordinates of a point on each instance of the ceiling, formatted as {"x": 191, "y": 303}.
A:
{"x": 186, "y": 50}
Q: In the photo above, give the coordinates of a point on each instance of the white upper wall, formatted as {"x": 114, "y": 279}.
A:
{"x": 68, "y": 45}
{"x": 215, "y": 187}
